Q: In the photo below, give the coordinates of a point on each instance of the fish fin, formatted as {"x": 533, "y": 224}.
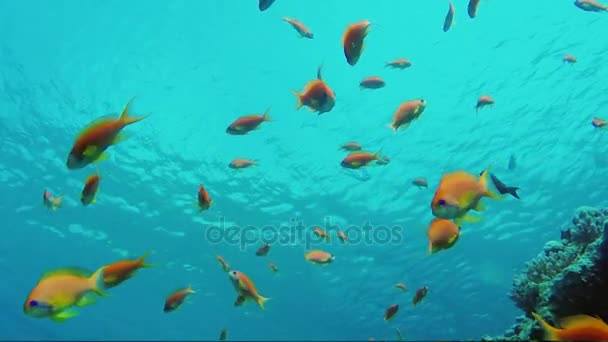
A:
{"x": 97, "y": 284}
{"x": 64, "y": 315}
{"x": 81, "y": 272}
{"x": 90, "y": 151}
{"x": 102, "y": 157}
{"x": 430, "y": 247}
{"x": 142, "y": 260}
{"x": 126, "y": 119}
{"x": 119, "y": 138}
{"x": 513, "y": 191}
{"x": 467, "y": 218}
{"x": 261, "y": 300}
{"x": 190, "y": 290}
{"x": 471, "y": 219}
{"x": 551, "y": 333}
{"x": 480, "y": 206}
{"x": 110, "y": 279}
{"x": 313, "y": 105}
{"x": 88, "y": 299}
{"x": 319, "y": 69}
{"x": 298, "y": 96}
{"x": 266, "y": 117}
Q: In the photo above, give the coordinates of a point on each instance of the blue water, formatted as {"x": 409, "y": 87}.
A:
{"x": 195, "y": 66}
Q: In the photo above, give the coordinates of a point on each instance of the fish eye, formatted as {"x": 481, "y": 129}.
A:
{"x": 33, "y": 303}
{"x": 441, "y": 202}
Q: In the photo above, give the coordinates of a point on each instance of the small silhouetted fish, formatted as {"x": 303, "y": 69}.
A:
{"x": 265, "y": 4}
{"x": 263, "y": 250}
{"x": 502, "y": 187}
{"x": 512, "y": 162}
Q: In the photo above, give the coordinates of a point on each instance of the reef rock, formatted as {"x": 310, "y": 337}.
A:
{"x": 569, "y": 277}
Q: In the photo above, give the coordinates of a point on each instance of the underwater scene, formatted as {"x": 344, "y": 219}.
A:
{"x": 304, "y": 170}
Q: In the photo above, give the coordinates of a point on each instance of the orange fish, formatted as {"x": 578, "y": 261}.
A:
{"x": 353, "y": 40}
{"x": 321, "y": 233}
{"x": 58, "y": 291}
{"x": 569, "y": 59}
{"x": 91, "y": 186}
{"x": 239, "y": 163}
{"x": 598, "y": 123}
{"x": 248, "y": 123}
{"x": 420, "y": 182}
{"x": 358, "y": 159}
{"x": 92, "y": 141}
{"x": 317, "y": 95}
{"x": 53, "y": 203}
{"x": 263, "y": 250}
{"x": 399, "y": 63}
{"x": 590, "y": 5}
{"x": 204, "y": 201}
{"x": 472, "y": 8}
{"x": 351, "y": 146}
{"x": 372, "y": 82}
{"x": 342, "y": 236}
{"x": 245, "y": 289}
{"x": 483, "y": 101}
{"x": 319, "y": 257}
{"x": 575, "y": 328}
{"x": 273, "y": 267}
{"x": 442, "y": 234}
{"x": 301, "y": 28}
{"x": 458, "y": 193}
{"x": 223, "y": 263}
{"x": 449, "y": 18}
{"x": 391, "y": 311}
{"x": 401, "y": 286}
{"x": 224, "y": 334}
{"x": 177, "y": 298}
{"x": 120, "y": 271}
{"x": 406, "y": 113}
{"x": 420, "y": 294}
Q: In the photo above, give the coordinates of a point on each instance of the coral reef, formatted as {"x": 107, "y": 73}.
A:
{"x": 569, "y": 277}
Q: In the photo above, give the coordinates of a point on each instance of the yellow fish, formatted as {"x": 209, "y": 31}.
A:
{"x": 58, "y": 291}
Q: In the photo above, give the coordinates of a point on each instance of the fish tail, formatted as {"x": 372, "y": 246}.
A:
{"x": 319, "y": 69}
{"x": 261, "y": 300}
{"x": 189, "y": 289}
{"x": 483, "y": 181}
{"x": 142, "y": 260}
{"x": 266, "y": 113}
{"x": 97, "y": 284}
{"x": 126, "y": 119}
{"x": 551, "y": 333}
{"x": 299, "y": 97}
{"x": 513, "y": 191}
{"x": 378, "y": 155}
{"x": 392, "y": 126}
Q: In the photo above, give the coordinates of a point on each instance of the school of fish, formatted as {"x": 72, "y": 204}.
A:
{"x": 60, "y": 292}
